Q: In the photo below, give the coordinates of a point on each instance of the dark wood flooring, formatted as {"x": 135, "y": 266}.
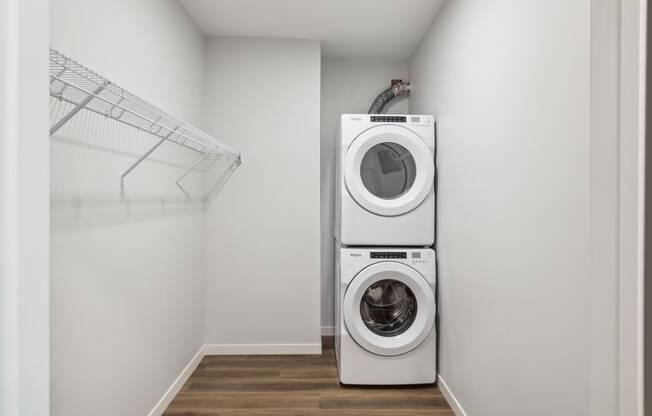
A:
{"x": 294, "y": 385}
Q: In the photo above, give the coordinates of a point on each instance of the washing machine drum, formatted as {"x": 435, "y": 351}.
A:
{"x": 389, "y": 170}
{"x": 389, "y": 308}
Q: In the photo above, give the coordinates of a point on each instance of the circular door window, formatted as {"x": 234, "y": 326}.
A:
{"x": 389, "y": 308}
{"x": 389, "y": 170}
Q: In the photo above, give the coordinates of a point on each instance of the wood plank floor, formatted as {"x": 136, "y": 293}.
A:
{"x": 294, "y": 385}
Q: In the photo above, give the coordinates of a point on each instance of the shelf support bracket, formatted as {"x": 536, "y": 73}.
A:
{"x": 75, "y": 110}
{"x": 220, "y": 183}
{"x": 190, "y": 169}
{"x": 143, "y": 157}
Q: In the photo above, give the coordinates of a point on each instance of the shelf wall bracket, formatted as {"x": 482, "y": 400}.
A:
{"x": 190, "y": 169}
{"x": 218, "y": 186}
{"x": 143, "y": 157}
{"x": 75, "y": 110}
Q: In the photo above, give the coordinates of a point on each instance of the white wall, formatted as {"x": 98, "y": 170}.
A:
{"x": 509, "y": 84}
{"x": 24, "y": 178}
{"x": 347, "y": 86}
{"x": 631, "y": 208}
{"x": 127, "y": 283}
{"x": 262, "y": 247}
{"x": 647, "y": 300}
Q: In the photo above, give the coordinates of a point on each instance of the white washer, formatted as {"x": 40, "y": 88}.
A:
{"x": 385, "y": 316}
{"x": 385, "y": 172}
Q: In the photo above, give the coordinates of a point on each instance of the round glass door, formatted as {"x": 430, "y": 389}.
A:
{"x": 389, "y": 308}
{"x": 389, "y": 170}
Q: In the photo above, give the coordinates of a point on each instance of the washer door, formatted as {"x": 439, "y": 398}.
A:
{"x": 389, "y": 308}
{"x": 389, "y": 170}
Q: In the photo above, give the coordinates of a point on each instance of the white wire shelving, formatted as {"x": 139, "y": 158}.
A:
{"x": 84, "y": 89}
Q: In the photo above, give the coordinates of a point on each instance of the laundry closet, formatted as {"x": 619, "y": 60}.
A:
{"x": 232, "y": 228}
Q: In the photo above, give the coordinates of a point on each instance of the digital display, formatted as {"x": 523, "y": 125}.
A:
{"x": 388, "y": 255}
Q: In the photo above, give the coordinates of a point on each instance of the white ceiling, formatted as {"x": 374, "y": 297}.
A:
{"x": 347, "y": 28}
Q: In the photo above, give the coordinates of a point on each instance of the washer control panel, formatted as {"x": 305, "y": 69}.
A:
{"x": 388, "y": 255}
{"x": 354, "y": 259}
{"x": 412, "y": 257}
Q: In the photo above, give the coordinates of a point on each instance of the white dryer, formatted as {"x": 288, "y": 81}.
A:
{"x": 385, "y": 172}
{"x": 385, "y": 316}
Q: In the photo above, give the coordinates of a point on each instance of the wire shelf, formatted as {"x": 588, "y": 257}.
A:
{"x": 84, "y": 89}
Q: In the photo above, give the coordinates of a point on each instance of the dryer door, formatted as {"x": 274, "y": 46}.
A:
{"x": 389, "y": 170}
{"x": 389, "y": 308}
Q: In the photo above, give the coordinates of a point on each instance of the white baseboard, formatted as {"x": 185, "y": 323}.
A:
{"x": 450, "y": 397}
{"x": 227, "y": 349}
{"x": 328, "y": 331}
{"x": 171, "y": 393}
{"x": 241, "y": 349}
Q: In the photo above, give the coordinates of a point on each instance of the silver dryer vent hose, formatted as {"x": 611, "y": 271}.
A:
{"x": 400, "y": 88}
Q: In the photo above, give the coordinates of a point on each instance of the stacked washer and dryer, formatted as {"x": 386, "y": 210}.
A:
{"x": 385, "y": 266}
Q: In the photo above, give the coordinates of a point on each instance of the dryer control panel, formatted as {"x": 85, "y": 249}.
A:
{"x": 388, "y": 119}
